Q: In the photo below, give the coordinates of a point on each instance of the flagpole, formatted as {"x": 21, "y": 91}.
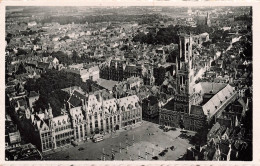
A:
{"x": 120, "y": 147}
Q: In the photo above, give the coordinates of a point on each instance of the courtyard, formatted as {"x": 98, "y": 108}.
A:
{"x": 141, "y": 142}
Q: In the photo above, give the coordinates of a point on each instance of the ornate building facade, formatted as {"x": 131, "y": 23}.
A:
{"x": 119, "y": 70}
{"x": 84, "y": 116}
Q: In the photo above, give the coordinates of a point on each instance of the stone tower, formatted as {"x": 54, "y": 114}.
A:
{"x": 207, "y": 20}
{"x": 184, "y": 68}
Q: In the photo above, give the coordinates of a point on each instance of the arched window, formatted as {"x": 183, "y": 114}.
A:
{"x": 123, "y": 108}
{"x": 101, "y": 123}
{"x": 114, "y": 119}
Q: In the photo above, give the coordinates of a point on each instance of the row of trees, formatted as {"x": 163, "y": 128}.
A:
{"x": 75, "y": 58}
{"x": 63, "y": 20}
{"x": 49, "y": 86}
{"x": 169, "y": 35}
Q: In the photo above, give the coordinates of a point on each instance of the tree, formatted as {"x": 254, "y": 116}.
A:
{"x": 21, "y": 52}
{"x": 21, "y": 69}
{"x": 75, "y": 58}
{"x": 140, "y": 37}
{"x": 30, "y": 85}
{"x": 35, "y": 41}
{"x": 172, "y": 56}
{"x": 62, "y": 57}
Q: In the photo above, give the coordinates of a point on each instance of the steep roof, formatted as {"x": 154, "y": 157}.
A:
{"x": 33, "y": 94}
{"x": 208, "y": 87}
{"x": 216, "y": 101}
{"x": 61, "y": 119}
{"x": 129, "y": 102}
{"x": 107, "y": 84}
{"x": 213, "y": 131}
{"x": 76, "y": 98}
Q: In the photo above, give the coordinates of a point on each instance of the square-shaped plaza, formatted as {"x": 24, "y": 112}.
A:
{"x": 141, "y": 142}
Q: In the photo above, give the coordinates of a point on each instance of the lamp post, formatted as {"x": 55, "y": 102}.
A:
{"x": 133, "y": 140}
{"x": 145, "y": 153}
{"x": 113, "y": 154}
{"x": 104, "y": 157}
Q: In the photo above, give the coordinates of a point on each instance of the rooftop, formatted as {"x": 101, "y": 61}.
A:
{"x": 107, "y": 84}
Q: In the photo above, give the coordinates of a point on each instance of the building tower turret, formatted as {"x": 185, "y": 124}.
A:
{"x": 207, "y": 20}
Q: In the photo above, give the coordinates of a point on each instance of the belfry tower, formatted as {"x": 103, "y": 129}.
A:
{"x": 184, "y": 66}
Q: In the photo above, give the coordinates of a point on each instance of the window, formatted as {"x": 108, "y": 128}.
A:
{"x": 96, "y": 124}
{"x": 101, "y": 122}
{"x": 95, "y": 115}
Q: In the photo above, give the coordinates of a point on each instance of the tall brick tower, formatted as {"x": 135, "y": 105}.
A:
{"x": 184, "y": 74}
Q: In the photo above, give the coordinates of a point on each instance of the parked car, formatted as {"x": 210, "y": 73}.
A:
{"x": 98, "y": 138}
{"x": 74, "y": 143}
{"x": 166, "y": 129}
{"x": 155, "y": 158}
{"x": 161, "y": 127}
{"x": 173, "y": 129}
{"x": 184, "y": 131}
{"x": 161, "y": 154}
{"x": 81, "y": 148}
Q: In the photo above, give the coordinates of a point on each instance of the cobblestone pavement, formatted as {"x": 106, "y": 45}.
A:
{"x": 142, "y": 142}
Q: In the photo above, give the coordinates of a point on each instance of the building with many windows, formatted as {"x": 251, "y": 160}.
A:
{"x": 83, "y": 116}
{"x": 85, "y": 71}
{"x": 119, "y": 70}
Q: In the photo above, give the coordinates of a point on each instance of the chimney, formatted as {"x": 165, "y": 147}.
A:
{"x": 82, "y": 101}
{"x": 247, "y": 102}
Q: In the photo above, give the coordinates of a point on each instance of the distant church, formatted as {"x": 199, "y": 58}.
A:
{"x": 207, "y": 20}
